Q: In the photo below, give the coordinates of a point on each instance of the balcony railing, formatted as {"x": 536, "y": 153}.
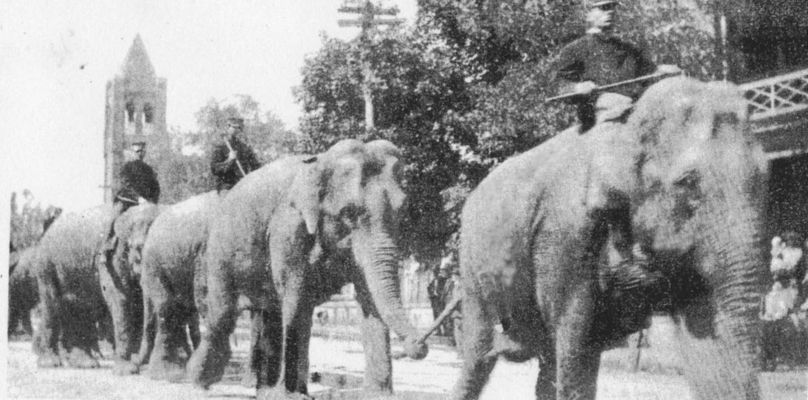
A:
{"x": 777, "y": 95}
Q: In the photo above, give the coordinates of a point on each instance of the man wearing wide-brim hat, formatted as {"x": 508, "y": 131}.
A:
{"x": 232, "y": 158}
{"x": 599, "y": 58}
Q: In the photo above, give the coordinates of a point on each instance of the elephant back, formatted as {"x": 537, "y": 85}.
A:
{"x": 180, "y": 230}
{"x": 69, "y": 247}
{"x": 254, "y": 198}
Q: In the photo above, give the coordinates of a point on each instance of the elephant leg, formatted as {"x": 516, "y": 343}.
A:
{"x": 193, "y": 329}
{"x": 148, "y": 335}
{"x": 267, "y": 347}
{"x": 79, "y": 337}
{"x": 298, "y": 337}
{"x": 165, "y": 361}
{"x": 48, "y": 333}
{"x": 478, "y": 336}
{"x": 209, "y": 360}
{"x": 577, "y": 355}
{"x": 249, "y": 375}
{"x": 376, "y": 343}
{"x": 118, "y": 305}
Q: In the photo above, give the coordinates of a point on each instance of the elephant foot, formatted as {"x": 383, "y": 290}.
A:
{"x": 415, "y": 349}
{"x": 249, "y": 379}
{"x": 166, "y": 370}
{"x": 274, "y": 393}
{"x": 80, "y": 358}
{"x": 368, "y": 393}
{"x": 508, "y": 348}
{"x": 207, "y": 364}
{"x": 48, "y": 360}
{"x": 123, "y": 368}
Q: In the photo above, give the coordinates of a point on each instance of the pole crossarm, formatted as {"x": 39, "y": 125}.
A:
{"x": 358, "y": 22}
{"x": 778, "y": 95}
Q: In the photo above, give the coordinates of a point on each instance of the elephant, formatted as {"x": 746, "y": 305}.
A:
{"x": 681, "y": 184}
{"x": 289, "y": 235}
{"x": 121, "y": 283}
{"x": 168, "y": 262}
{"x": 22, "y": 290}
{"x": 73, "y": 314}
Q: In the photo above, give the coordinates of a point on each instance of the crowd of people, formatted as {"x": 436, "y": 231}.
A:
{"x": 788, "y": 272}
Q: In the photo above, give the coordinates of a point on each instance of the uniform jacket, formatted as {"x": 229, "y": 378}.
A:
{"x": 137, "y": 179}
{"x": 226, "y": 173}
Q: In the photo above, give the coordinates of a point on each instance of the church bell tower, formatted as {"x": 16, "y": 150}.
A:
{"x": 135, "y": 112}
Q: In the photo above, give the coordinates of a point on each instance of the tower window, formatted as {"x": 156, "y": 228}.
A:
{"x": 148, "y": 113}
{"x": 130, "y": 112}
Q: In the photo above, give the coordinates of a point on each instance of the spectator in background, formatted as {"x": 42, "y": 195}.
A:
{"x": 787, "y": 268}
{"x": 441, "y": 289}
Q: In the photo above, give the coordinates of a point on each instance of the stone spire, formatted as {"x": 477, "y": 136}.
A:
{"x": 137, "y": 63}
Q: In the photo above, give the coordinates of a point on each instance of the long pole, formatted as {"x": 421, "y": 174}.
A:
{"x": 613, "y": 85}
{"x": 447, "y": 311}
{"x": 238, "y": 163}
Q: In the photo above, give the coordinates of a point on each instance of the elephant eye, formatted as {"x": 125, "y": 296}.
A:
{"x": 689, "y": 180}
{"x": 350, "y": 214}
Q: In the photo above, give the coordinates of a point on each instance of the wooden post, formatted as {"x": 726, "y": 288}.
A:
{"x": 636, "y": 366}
{"x": 367, "y": 21}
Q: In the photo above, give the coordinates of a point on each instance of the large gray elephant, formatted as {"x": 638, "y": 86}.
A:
{"x": 289, "y": 235}
{"x": 121, "y": 283}
{"x": 72, "y": 307}
{"x": 172, "y": 250}
{"x": 686, "y": 179}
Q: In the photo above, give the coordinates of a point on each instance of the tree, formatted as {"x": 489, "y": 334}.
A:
{"x": 465, "y": 89}
{"x": 29, "y": 220}
{"x": 184, "y": 168}
{"x": 418, "y": 92}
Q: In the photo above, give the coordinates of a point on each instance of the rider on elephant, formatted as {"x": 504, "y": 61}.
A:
{"x": 138, "y": 183}
{"x": 599, "y": 58}
{"x": 232, "y": 159}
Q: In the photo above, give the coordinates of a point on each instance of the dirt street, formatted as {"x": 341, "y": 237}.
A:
{"x": 339, "y": 365}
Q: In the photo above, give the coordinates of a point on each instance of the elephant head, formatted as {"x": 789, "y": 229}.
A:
{"x": 697, "y": 208}
{"x": 131, "y": 229}
{"x": 350, "y": 199}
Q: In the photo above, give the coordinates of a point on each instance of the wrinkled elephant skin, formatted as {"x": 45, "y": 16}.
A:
{"x": 121, "y": 283}
{"x": 171, "y": 256}
{"x": 71, "y": 302}
{"x": 684, "y": 181}
{"x": 317, "y": 223}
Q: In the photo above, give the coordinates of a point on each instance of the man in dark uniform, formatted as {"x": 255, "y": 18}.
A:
{"x": 137, "y": 183}
{"x": 232, "y": 159}
{"x": 599, "y": 58}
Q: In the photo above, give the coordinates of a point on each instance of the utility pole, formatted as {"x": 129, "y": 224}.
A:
{"x": 367, "y": 19}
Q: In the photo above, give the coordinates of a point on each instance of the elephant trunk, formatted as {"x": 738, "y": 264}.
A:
{"x": 377, "y": 254}
{"x": 724, "y": 365}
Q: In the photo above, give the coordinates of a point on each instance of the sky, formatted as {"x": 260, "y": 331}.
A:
{"x": 56, "y": 58}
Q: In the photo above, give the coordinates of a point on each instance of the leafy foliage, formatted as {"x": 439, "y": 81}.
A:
{"x": 184, "y": 168}
{"x": 29, "y": 220}
{"x": 465, "y": 89}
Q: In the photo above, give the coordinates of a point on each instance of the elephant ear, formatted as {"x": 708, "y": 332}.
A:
{"x": 610, "y": 178}
{"x": 328, "y": 182}
{"x": 306, "y": 192}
